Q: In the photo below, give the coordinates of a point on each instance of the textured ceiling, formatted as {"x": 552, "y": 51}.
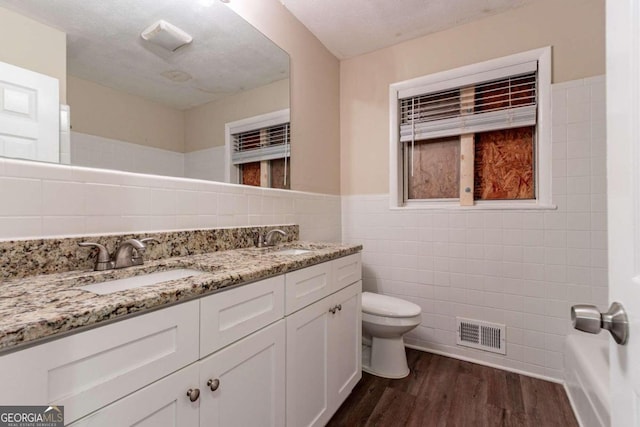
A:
{"x": 104, "y": 45}
{"x": 352, "y": 27}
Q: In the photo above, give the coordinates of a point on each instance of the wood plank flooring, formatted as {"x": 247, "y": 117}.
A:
{"x": 441, "y": 391}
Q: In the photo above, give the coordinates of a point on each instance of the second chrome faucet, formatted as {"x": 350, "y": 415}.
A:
{"x": 127, "y": 254}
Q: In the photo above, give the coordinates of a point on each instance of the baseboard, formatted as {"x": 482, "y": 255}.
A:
{"x": 573, "y": 406}
{"x": 491, "y": 365}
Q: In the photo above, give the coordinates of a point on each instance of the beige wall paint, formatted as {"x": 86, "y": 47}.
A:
{"x": 29, "y": 44}
{"x": 315, "y": 96}
{"x": 204, "y": 125}
{"x": 102, "y": 111}
{"x": 575, "y": 29}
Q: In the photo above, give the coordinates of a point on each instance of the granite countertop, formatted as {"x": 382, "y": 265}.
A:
{"x": 40, "y": 307}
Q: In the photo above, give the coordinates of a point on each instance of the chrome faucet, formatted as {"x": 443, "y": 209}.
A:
{"x": 266, "y": 240}
{"x": 128, "y": 253}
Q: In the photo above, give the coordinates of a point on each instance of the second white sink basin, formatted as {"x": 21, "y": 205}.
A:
{"x": 291, "y": 252}
{"x": 111, "y": 286}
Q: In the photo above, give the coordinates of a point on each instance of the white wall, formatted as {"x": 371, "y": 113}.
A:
{"x": 521, "y": 268}
{"x": 44, "y": 200}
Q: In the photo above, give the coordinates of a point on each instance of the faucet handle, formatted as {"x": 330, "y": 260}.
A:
{"x": 261, "y": 239}
{"x": 103, "y": 254}
{"x": 104, "y": 260}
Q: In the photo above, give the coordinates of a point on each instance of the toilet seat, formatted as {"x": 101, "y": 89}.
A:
{"x": 386, "y": 306}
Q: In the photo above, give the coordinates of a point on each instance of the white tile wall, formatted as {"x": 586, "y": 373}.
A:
{"x": 205, "y": 164}
{"x": 40, "y": 200}
{"x": 524, "y": 269}
{"x": 98, "y": 152}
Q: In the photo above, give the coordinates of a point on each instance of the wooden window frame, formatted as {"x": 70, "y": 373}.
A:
{"x": 543, "y": 149}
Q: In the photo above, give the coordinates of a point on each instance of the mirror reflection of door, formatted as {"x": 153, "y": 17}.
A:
{"x": 29, "y": 110}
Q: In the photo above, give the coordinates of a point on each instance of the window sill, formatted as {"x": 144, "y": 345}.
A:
{"x": 479, "y": 206}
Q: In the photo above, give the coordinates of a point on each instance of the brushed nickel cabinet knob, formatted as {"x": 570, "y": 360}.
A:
{"x": 213, "y": 384}
{"x": 194, "y": 394}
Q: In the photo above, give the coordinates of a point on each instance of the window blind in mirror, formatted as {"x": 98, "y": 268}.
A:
{"x": 268, "y": 143}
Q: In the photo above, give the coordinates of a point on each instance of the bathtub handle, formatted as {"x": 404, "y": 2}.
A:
{"x": 587, "y": 318}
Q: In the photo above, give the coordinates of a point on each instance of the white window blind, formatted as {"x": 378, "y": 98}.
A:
{"x": 484, "y": 105}
{"x": 268, "y": 143}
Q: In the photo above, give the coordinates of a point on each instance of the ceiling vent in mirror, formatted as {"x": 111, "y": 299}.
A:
{"x": 166, "y": 35}
{"x": 176, "y": 76}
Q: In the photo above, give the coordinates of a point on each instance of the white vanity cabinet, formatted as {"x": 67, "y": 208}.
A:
{"x": 252, "y": 355}
{"x": 240, "y": 385}
{"x": 239, "y": 379}
{"x": 324, "y": 349}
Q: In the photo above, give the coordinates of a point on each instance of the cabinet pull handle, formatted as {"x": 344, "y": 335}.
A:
{"x": 194, "y": 394}
{"x": 333, "y": 309}
{"x": 339, "y": 307}
{"x": 213, "y": 384}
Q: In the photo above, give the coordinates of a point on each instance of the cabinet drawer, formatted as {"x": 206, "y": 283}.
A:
{"x": 91, "y": 369}
{"x": 307, "y": 285}
{"x": 230, "y": 315}
{"x": 347, "y": 270}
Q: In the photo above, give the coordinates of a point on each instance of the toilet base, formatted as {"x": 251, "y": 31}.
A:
{"x": 387, "y": 358}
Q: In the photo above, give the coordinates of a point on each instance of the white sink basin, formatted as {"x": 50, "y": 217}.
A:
{"x": 111, "y": 286}
{"x": 291, "y": 252}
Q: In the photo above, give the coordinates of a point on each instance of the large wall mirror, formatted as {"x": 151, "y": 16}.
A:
{"x": 215, "y": 108}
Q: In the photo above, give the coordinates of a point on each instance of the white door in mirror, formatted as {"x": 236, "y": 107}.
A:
{"x": 29, "y": 115}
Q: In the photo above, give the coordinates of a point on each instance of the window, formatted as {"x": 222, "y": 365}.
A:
{"x": 474, "y": 136}
{"x": 259, "y": 150}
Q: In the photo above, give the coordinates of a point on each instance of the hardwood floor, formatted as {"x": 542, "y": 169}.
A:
{"x": 441, "y": 391}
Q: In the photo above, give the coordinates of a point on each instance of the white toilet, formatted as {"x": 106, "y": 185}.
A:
{"x": 386, "y": 320}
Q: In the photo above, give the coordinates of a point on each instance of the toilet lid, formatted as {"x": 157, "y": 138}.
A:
{"x": 383, "y": 305}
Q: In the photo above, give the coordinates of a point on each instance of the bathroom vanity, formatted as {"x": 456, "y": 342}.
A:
{"x": 261, "y": 337}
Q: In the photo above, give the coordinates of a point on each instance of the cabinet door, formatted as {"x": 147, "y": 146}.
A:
{"x": 307, "y": 365}
{"x": 248, "y": 381}
{"x": 345, "y": 344}
{"x": 161, "y": 404}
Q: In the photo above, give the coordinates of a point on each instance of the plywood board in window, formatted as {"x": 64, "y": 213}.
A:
{"x": 251, "y": 174}
{"x": 436, "y": 169}
{"x": 504, "y": 164}
{"x": 278, "y": 172}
